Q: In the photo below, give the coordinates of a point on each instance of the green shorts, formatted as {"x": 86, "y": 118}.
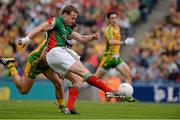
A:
{"x": 110, "y": 61}
{"x": 35, "y": 68}
{"x": 35, "y": 65}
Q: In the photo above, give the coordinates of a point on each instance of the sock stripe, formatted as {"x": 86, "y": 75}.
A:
{"x": 87, "y": 75}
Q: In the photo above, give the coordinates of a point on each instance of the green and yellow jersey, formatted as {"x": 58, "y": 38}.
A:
{"x": 112, "y": 32}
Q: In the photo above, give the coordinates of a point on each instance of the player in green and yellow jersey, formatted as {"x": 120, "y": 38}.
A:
{"x": 111, "y": 57}
{"x": 34, "y": 67}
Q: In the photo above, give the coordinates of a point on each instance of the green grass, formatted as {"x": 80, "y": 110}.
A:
{"x": 90, "y": 110}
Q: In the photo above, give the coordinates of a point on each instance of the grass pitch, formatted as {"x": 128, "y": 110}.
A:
{"x": 88, "y": 110}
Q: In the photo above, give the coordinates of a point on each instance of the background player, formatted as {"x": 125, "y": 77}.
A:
{"x": 111, "y": 57}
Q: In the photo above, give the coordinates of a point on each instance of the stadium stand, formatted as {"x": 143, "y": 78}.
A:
{"x": 157, "y": 57}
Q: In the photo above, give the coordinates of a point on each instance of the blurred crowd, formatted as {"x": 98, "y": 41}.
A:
{"x": 156, "y": 58}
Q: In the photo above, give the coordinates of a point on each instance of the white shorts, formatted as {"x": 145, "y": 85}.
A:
{"x": 60, "y": 59}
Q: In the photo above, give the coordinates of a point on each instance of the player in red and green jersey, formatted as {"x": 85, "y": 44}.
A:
{"x": 36, "y": 66}
{"x": 61, "y": 59}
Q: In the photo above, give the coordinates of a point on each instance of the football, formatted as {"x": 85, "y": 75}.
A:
{"x": 126, "y": 89}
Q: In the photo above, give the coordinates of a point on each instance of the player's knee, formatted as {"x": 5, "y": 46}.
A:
{"x": 58, "y": 85}
{"x": 130, "y": 74}
{"x": 82, "y": 70}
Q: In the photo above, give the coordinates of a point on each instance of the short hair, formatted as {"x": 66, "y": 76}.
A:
{"x": 110, "y": 13}
{"x": 68, "y": 9}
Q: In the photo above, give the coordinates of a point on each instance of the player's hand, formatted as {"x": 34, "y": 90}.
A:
{"x": 23, "y": 41}
{"x": 130, "y": 41}
{"x": 95, "y": 36}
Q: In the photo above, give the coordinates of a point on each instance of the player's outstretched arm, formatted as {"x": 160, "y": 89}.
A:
{"x": 43, "y": 27}
{"x": 128, "y": 41}
{"x": 83, "y": 38}
{"x": 38, "y": 29}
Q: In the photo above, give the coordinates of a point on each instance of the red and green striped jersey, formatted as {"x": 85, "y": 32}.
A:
{"x": 58, "y": 33}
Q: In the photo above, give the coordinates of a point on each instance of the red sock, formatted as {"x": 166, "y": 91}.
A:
{"x": 94, "y": 81}
{"x": 73, "y": 94}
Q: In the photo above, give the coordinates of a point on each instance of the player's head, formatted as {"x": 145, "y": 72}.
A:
{"x": 112, "y": 17}
{"x": 70, "y": 14}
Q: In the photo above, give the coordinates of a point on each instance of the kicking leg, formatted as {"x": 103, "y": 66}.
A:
{"x": 80, "y": 70}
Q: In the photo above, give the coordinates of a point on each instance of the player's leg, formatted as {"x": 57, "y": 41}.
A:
{"x": 22, "y": 83}
{"x": 73, "y": 90}
{"x": 59, "y": 90}
{"x": 125, "y": 70}
{"x": 64, "y": 61}
{"x": 79, "y": 69}
{"x": 58, "y": 84}
{"x": 76, "y": 82}
{"x": 100, "y": 72}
